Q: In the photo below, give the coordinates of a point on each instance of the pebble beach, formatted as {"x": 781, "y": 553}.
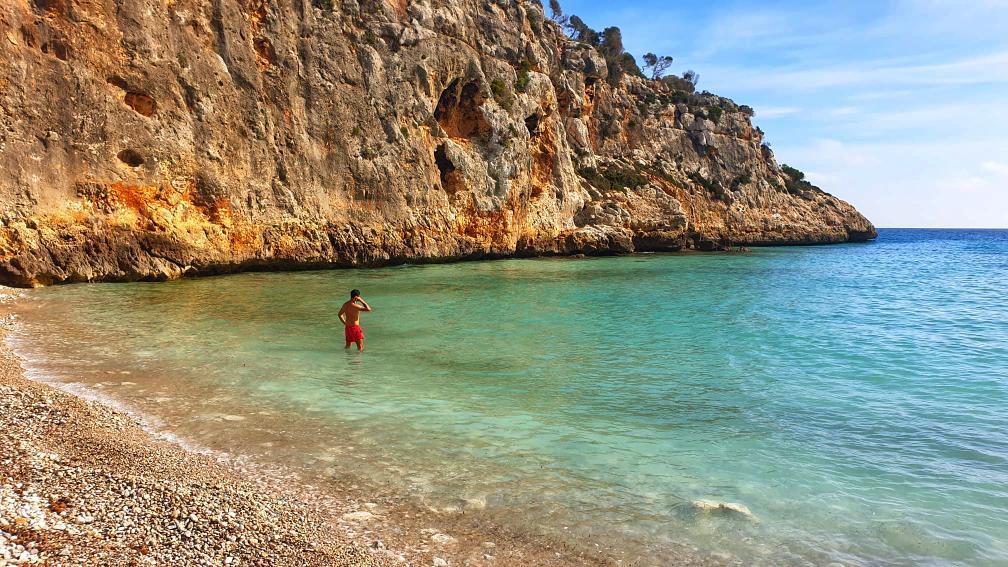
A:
{"x": 83, "y": 483}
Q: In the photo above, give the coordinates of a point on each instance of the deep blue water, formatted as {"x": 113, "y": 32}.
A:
{"x": 854, "y": 398}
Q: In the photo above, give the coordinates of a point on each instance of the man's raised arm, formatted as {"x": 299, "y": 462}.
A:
{"x": 364, "y": 304}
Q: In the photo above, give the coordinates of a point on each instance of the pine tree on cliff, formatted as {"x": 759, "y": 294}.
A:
{"x": 619, "y": 61}
{"x": 658, "y": 65}
{"x": 581, "y": 32}
{"x": 557, "y": 13}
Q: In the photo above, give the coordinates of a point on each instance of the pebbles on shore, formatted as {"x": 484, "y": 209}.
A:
{"x": 82, "y": 483}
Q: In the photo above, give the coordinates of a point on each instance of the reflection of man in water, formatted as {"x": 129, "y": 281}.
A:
{"x": 349, "y": 314}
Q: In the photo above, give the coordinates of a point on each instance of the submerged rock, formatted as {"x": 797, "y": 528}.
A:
{"x": 157, "y": 140}
{"x": 726, "y": 507}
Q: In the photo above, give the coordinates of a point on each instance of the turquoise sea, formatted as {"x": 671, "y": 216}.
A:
{"x": 853, "y": 398}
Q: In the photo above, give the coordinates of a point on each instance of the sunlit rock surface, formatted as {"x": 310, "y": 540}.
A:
{"x": 150, "y": 140}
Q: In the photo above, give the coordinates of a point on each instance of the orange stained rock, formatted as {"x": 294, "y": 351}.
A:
{"x": 489, "y": 227}
{"x": 400, "y": 7}
{"x": 243, "y": 237}
{"x": 544, "y": 155}
{"x": 135, "y": 197}
{"x": 257, "y": 15}
{"x": 265, "y": 55}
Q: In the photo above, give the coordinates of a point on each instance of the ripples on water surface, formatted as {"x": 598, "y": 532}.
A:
{"x": 853, "y": 397}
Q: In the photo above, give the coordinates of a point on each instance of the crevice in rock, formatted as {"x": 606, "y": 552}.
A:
{"x": 117, "y": 81}
{"x": 451, "y": 181}
{"x": 142, "y": 103}
{"x": 265, "y": 54}
{"x": 56, "y": 48}
{"x": 532, "y": 124}
{"x": 189, "y": 95}
{"x": 55, "y": 6}
{"x": 444, "y": 165}
{"x": 30, "y": 35}
{"x": 130, "y": 158}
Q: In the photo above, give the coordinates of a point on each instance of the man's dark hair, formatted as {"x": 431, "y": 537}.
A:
{"x": 355, "y": 293}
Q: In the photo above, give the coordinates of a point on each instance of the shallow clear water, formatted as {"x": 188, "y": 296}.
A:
{"x": 854, "y": 398}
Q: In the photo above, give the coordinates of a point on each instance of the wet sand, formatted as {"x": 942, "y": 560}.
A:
{"x": 84, "y": 483}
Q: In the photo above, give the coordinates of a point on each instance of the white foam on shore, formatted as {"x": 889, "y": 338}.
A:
{"x": 16, "y": 338}
{"x": 34, "y": 365}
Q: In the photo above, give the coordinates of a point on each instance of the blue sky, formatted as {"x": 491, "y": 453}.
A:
{"x": 899, "y": 107}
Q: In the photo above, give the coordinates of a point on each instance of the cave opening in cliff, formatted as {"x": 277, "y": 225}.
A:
{"x": 117, "y": 81}
{"x": 532, "y": 124}
{"x": 56, "y": 48}
{"x": 57, "y": 6}
{"x": 450, "y": 179}
{"x": 142, "y": 103}
{"x": 130, "y": 158}
{"x": 458, "y": 110}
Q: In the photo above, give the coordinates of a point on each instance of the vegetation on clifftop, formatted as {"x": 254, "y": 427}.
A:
{"x": 609, "y": 42}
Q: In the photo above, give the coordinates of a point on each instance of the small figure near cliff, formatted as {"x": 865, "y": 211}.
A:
{"x": 349, "y": 315}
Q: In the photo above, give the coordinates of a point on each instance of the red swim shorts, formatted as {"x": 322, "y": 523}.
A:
{"x": 354, "y": 333}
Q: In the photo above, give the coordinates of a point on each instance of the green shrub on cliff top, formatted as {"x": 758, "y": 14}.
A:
{"x": 618, "y": 61}
{"x": 686, "y": 83}
{"x": 609, "y": 43}
{"x": 794, "y": 173}
{"x": 796, "y": 182}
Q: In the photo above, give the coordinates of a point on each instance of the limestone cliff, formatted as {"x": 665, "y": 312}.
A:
{"x": 150, "y": 139}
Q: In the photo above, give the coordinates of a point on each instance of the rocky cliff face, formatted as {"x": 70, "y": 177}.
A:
{"x": 150, "y": 139}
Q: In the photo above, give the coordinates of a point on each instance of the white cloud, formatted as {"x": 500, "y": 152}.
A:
{"x": 778, "y": 111}
{"x": 834, "y": 152}
{"x": 997, "y": 168}
{"x": 882, "y": 95}
{"x": 916, "y": 119}
{"x": 734, "y": 29}
{"x": 990, "y": 68}
{"x": 820, "y": 178}
{"x": 936, "y": 183}
{"x": 845, "y": 111}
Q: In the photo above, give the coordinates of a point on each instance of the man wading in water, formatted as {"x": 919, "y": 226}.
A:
{"x": 349, "y": 314}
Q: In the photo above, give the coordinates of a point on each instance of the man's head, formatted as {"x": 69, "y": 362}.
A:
{"x": 355, "y": 294}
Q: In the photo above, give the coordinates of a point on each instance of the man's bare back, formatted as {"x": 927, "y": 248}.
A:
{"x": 349, "y": 315}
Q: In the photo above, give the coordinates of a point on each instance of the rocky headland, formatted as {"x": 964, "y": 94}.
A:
{"x": 149, "y": 140}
